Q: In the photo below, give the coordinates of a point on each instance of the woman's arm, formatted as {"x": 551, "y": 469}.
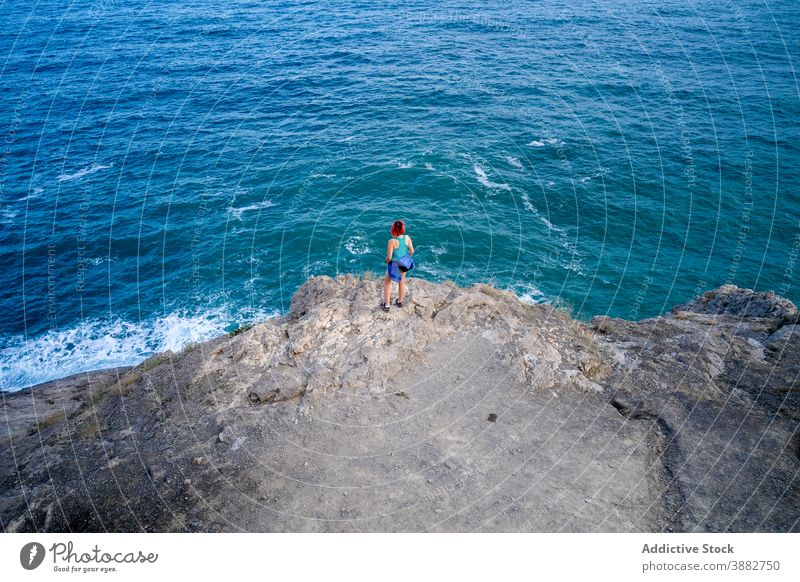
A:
{"x": 389, "y": 250}
{"x": 410, "y": 245}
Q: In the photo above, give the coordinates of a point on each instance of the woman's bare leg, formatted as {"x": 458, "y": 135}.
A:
{"x": 387, "y": 289}
{"x": 402, "y": 287}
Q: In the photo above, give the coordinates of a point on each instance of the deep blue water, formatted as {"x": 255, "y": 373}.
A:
{"x": 175, "y": 169}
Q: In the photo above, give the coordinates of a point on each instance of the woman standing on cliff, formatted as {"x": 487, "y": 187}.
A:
{"x": 399, "y": 246}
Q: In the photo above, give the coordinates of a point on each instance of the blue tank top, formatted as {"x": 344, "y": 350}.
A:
{"x": 402, "y": 249}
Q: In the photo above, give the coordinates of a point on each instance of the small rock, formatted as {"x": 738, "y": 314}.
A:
{"x": 226, "y": 435}
{"x": 156, "y": 472}
{"x": 197, "y": 461}
{"x": 274, "y": 386}
{"x": 238, "y": 443}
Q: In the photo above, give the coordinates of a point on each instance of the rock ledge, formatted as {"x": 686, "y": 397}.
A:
{"x": 465, "y": 410}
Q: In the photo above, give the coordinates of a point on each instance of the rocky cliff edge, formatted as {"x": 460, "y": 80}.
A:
{"x": 465, "y": 410}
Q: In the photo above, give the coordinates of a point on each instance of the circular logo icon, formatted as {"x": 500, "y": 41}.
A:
{"x": 31, "y": 555}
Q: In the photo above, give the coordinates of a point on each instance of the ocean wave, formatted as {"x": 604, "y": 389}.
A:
{"x": 318, "y": 267}
{"x": 549, "y": 224}
{"x": 7, "y": 215}
{"x": 599, "y": 173}
{"x": 574, "y": 266}
{"x": 438, "y": 250}
{"x": 540, "y": 143}
{"x": 33, "y": 193}
{"x": 526, "y": 202}
{"x": 358, "y": 245}
{"x": 237, "y": 212}
{"x": 484, "y": 179}
{"x": 528, "y": 292}
{"x": 431, "y": 270}
{"x": 515, "y": 162}
{"x": 108, "y": 343}
{"x": 100, "y": 260}
{"x": 543, "y": 219}
{"x": 81, "y": 173}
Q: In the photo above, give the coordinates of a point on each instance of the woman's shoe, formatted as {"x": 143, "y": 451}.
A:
{"x": 398, "y": 302}
{"x": 385, "y": 306}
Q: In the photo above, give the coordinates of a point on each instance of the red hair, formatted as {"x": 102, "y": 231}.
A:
{"x": 398, "y": 228}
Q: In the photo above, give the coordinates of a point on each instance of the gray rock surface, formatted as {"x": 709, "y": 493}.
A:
{"x": 465, "y": 410}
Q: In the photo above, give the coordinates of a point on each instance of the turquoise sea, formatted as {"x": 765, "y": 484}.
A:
{"x": 171, "y": 170}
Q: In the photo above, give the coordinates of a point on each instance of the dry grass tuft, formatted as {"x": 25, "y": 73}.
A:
{"x": 47, "y": 421}
{"x": 492, "y": 291}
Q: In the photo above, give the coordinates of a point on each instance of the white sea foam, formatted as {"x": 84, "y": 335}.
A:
{"x": 34, "y": 193}
{"x": 526, "y": 202}
{"x": 530, "y": 207}
{"x": 574, "y": 266}
{"x": 484, "y": 179}
{"x": 428, "y": 166}
{"x": 515, "y": 162}
{"x": 528, "y": 292}
{"x": 237, "y": 212}
{"x": 7, "y": 215}
{"x": 548, "y": 224}
{"x": 406, "y": 165}
{"x": 319, "y": 267}
{"x": 252, "y": 283}
{"x": 431, "y": 270}
{"x": 540, "y": 143}
{"x": 107, "y": 343}
{"x": 599, "y": 173}
{"x": 439, "y": 250}
{"x": 100, "y": 260}
{"x": 358, "y": 245}
{"x": 81, "y": 173}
